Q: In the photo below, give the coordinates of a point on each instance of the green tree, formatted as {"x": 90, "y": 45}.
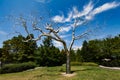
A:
{"x": 78, "y": 56}
{"x": 73, "y": 56}
{"x": 85, "y": 51}
{"x": 48, "y": 55}
{"x": 105, "y": 51}
{"x": 15, "y": 50}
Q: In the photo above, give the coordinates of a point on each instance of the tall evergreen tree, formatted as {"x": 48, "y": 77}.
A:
{"x": 78, "y": 56}
{"x": 48, "y": 55}
{"x": 105, "y": 51}
{"x": 85, "y": 51}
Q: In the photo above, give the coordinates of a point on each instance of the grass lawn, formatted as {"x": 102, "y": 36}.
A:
{"x": 54, "y": 73}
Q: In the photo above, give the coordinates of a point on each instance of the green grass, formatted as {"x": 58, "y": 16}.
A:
{"x": 54, "y": 73}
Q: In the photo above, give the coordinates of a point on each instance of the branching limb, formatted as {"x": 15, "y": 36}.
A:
{"x": 57, "y": 37}
{"x": 73, "y": 35}
{"x": 82, "y": 35}
{"x": 34, "y": 25}
{"x": 39, "y": 29}
{"x": 49, "y": 27}
{"x": 24, "y": 24}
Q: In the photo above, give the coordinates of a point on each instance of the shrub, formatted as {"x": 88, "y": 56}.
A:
{"x": 113, "y": 63}
{"x": 10, "y": 68}
{"x": 89, "y": 64}
{"x": 83, "y": 64}
{"x": 76, "y": 63}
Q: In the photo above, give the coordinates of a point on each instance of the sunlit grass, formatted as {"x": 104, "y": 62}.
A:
{"x": 54, "y": 73}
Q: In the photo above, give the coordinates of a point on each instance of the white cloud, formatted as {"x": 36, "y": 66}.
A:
{"x": 3, "y": 33}
{"x": 70, "y": 14}
{"x": 64, "y": 36}
{"x": 58, "y": 18}
{"x": 86, "y": 10}
{"x": 62, "y": 19}
{"x": 57, "y": 44}
{"x": 105, "y": 7}
{"x": 86, "y": 14}
{"x": 65, "y": 29}
{"x": 74, "y": 14}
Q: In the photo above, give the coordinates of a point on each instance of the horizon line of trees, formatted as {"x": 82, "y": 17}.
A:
{"x": 15, "y": 50}
{"x": 105, "y": 52}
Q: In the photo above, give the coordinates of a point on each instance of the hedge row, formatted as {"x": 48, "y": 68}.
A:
{"x": 83, "y": 64}
{"x": 113, "y": 63}
{"x": 10, "y": 68}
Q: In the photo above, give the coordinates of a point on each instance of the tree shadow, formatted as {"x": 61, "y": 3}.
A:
{"x": 52, "y": 75}
{"x": 73, "y": 71}
{"x": 41, "y": 75}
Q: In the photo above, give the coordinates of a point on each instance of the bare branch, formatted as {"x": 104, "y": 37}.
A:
{"x": 73, "y": 35}
{"x": 24, "y": 24}
{"x": 48, "y": 35}
{"x": 39, "y": 29}
{"x": 49, "y": 27}
{"x": 82, "y": 35}
{"x": 34, "y": 25}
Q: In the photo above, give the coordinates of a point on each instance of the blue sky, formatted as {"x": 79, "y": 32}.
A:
{"x": 102, "y": 13}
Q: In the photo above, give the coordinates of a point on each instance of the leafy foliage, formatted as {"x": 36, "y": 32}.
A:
{"x": 105, "y": 52}
{"x": 15, "y": 50}
{"x": 49, "y": 55}
{"x": 10, "y": 68}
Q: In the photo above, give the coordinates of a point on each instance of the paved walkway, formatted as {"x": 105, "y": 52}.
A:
{"x": 118, "y": 68}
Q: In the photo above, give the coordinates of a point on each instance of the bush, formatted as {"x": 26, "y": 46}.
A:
{"x": 89, "y": 64}
{"x": 83, "y": 64}
{"x": 113, "y": 63}
{"x": 76, "y": 63}
{"x": 10, "y": 68}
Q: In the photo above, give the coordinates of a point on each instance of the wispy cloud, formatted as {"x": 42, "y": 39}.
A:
{"x": 86, "y": 10}
{"x": 65, "y": 36}
{"x": 43, "y": 1}
{"x": 65, "y": 29}
{"x": 62, "y": 19}
{"x": 104, "y": 7}
{"x": 57, "y": 44}
{"x": 70, "y": 14}
{"x": 3, "y": 33}
{"x": 73, "y": 14}
{"x": 58, "y": 19}
{"x": 86, "y": 14}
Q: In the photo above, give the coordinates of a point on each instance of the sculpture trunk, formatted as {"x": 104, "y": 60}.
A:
{"x": 68, "y": 67}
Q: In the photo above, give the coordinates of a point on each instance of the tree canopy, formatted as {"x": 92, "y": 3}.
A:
{"x": 105, "y": 51}
{"x": 15, "y": 50}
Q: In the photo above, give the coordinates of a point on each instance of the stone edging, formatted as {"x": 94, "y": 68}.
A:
{"x": 117, "y": 68}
